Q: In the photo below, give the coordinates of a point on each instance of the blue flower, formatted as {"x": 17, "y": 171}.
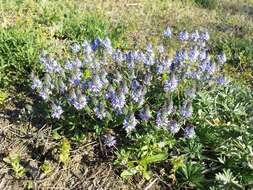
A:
{"x": 109, "y": 140}
{"x": 181, "y": 55}
{"x": 110, "y": 92}
{"x": 186, "y": 110}
{"x": 161, "y": 119}
{"x": 36, "y": 83}
{"x": 183, "y": 36}
{"x": 74, "y": 81}
{"x": 221, "y": 80}
{"x": 87, "y": 48}
{"x": 69, "y": 65}
{"x": 100, "y": 111}
{"x": 222, "y": 58}
{"x": 51, "y": 65}
{"x": 75, "y": 48}
{"x": 204, "y": 36}
{"x": 173, "y": 126}
{"x": 149, "y": 60}
{"x": 171, "y": 84}
{"x": 192, "y": 75}
{"x": 124, "y": 88}
{"x": 57, "y": 111}
{"x": 193, "y": 54}
{"x": 202, "y": 55}
{"x": 145, "y": 113}
{"x": 135, "y": 85}
{"x": 130, "y": 123}
{"x": 189, "y": 132}
{"x": 138, "y": 95}
{"x": 147, "y": 79}
{"x": 118, "y": 101}
{"x": 96, "y": 43}
{"x": 195, "y": 36}
{"x": 96, "y": 84}
{"x": 117, "y": 56}
{"x": 167, "y": 33}
{"x": 108, "y": 45}
{"x": 44, "y": 93}
{"x": 149, "y": 48}
{"x": 80, "y": 102}
{"x": 210, "y": 67}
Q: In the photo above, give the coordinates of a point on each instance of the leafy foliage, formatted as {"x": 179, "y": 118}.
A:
{"x": 190, "y": 175}
{"x": 14, "y": 161}
{"x": 64, "y": 154}
{"x": 147, "y": 149}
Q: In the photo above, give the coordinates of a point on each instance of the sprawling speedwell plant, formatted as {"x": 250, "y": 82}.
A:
{"x": 134, "y": 91}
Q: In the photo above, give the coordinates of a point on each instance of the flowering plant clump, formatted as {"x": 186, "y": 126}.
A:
{"x": 131, "y": 92}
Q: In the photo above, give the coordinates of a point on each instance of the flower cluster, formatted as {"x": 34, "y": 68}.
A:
{"x": 114, "y": 84}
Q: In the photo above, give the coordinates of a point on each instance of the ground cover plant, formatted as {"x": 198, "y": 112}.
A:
{"x": 94, "y": 99}
{"x": 148, "y": 103}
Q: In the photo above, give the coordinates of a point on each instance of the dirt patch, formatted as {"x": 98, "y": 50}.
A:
{"x": 36, "y": 146}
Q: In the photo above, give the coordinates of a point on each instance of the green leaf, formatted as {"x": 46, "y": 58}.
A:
{"x": 155, "y": 158}
{"x": 127, "y": 173}
{"x": 147, "y": 175}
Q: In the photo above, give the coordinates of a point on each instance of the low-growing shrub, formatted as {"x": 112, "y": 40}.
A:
{"x": 155, "y": 106}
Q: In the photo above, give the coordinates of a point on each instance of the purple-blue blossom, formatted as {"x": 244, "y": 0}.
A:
{"x": 171, "y": 84}
{"x": 193, "y": 54}
{"x": 204, "y": 36}
{"x": 202, "y": 55}
{"x": 149, "y": 48}
{"x": 186, "y": 110}
{"x": 56, "y": 111}
{"x": 75, "y": 48}
{"x": 86, "y": 47}
{"x": 100, "y": 111}
{"x": 108, "y": 45}
{"x": 36, "y": 83}
{"x": 109, "y": 140}
{"x": 145, "y": 113}
{"x": 130, "y": 123}
{"x": 222, "y": 58}
{"x": 173, "y": 126}
{"x": 183, "y": 36}
{"x": 96, "y": 43}
{"x": 189, "y": 132}
{"x": 118, "y": 101}
{"x": 161, "y": 119}
{"x": 96, "y": 84}
{"x": 80, "y": 102}
{"x": 168, "y": 32}
{"x": 221, "y": 80}
{"x": 195, "y": 36}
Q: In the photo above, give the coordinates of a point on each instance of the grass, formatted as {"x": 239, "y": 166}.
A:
{"x": 28, "y": 26}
